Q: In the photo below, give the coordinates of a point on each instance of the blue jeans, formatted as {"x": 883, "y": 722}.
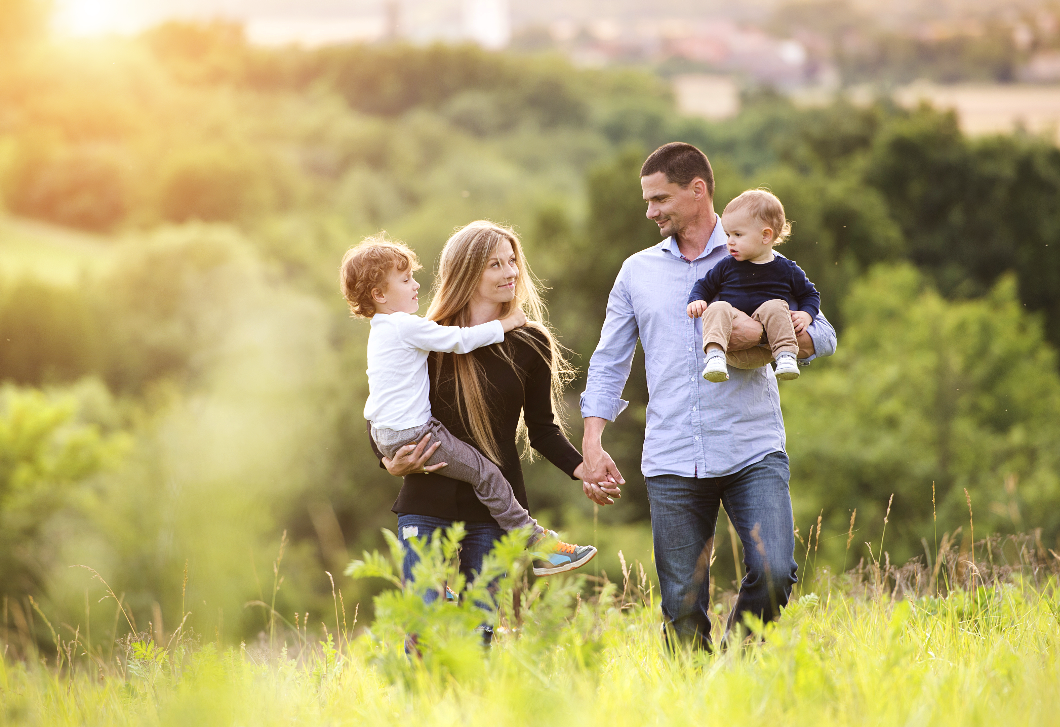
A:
{"x": 684, "y": 512}
{"x": 476, "y": 544}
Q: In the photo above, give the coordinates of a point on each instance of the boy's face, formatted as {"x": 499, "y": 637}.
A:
{"x": 748, "y": 237}
{"x": 401, "y": 294}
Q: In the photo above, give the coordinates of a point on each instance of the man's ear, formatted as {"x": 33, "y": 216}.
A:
{"x": 699, "y": 188}
{"x": 378, "y": 296}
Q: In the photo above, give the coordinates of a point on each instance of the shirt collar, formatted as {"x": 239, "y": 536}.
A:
{"x": 717, "y": 239}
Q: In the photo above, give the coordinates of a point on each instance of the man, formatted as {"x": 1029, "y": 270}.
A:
{"x": 705, "y": 444}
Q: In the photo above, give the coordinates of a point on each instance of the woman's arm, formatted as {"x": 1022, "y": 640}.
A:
{"x": 409, "y": 459}
{"x": 545, "y": 435}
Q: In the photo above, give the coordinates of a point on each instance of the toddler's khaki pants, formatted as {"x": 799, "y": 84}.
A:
{"x": 775, "y": 317}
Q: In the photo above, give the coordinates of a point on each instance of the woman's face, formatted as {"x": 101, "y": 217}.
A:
{"x": 497, "y": 284}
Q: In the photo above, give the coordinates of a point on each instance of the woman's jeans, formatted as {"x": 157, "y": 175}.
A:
{"x": 478, "y": 541}
{"x": 684, "y": 512}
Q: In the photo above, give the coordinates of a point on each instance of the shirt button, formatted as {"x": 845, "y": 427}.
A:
{"x": 693, "y": 408}
{"x": 696, "y": 437}
{"x": 692, "y": 378}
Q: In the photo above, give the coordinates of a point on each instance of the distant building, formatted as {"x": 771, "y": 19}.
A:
{"x": 726, "y": 47}
{"x": 488, "y": 23}
{"x": 1042, "y": 68}
{"x": 485, "y": 22}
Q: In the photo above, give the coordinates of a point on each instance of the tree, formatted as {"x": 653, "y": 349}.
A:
{"x": 921, "y": 390}
{"x": 47, "y": 450}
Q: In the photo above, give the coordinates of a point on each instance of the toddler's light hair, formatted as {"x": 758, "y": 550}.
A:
{"x": 365, "y": 267}
{"x": 764, "y": 206}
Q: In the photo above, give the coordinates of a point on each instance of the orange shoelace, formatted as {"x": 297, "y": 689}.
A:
{"x": 564, "y": 547}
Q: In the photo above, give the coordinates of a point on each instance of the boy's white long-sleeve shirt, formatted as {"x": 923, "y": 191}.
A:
{"x": 398, "y": 344}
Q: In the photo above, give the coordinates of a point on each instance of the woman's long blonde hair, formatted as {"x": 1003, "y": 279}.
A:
{"x": 463, "y": 261}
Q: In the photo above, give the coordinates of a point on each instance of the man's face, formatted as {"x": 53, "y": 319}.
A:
{"x": 671, "y": 206}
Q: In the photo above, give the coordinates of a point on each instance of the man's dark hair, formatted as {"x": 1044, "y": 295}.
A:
{"x": 681, "y": 163}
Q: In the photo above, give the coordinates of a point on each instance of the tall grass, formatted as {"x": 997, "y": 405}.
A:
{"x": 948, "y": 640}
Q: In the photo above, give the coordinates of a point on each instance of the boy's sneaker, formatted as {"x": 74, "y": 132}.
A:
{"x": 787, "y": 368}
{"x": 564, "y": 556}
{"x": 716, "y": 370}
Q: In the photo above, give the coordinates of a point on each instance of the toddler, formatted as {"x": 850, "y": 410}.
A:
{"x": 378, "y": 284}
{"x": 770, "y": 288}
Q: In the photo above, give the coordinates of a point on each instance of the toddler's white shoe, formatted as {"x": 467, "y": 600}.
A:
{"x": 716, "y": 370}
{"x": 787, "y": 368}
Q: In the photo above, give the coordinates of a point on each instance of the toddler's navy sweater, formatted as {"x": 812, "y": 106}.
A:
{"x": 747, "y": 285}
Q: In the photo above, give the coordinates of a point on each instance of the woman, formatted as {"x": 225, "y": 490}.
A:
{"x": 481, "y": 396}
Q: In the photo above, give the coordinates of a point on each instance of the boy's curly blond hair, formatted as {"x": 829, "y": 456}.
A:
{"x": 365, "y": 267}
{"x": 764, "y": 206}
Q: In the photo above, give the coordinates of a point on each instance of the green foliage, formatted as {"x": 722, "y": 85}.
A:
{"x": 925, "y": 392}
{"x": 980, "y": 655}
{"x": 436, "y": 616}
{"x": 50, "y": 449}
{"x": 242, "y": 371}
{"x": 212, "y": 183}
{"x": 83, "y": 186}
{"x": 972, "y": 210}
{"x": 49, "y": 334}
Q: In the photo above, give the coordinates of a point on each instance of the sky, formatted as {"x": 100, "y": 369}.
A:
{"x": 93, "y": 17}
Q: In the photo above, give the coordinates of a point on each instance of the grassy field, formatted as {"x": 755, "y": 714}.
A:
{"x": 57, "y": 254}
{"x": 969, "y": 643}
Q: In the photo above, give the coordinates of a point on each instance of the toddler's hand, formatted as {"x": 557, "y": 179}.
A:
{"x": 696, "y": 308}
{"x": 514, "y": 320}
{"x": 800, "y": 319}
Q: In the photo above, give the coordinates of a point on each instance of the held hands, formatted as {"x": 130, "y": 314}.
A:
{"x": 514, "y": 320}
{"x": 599, "y": 475}
{"x": 696, "y": 308}
{"x": 801, "y": 320}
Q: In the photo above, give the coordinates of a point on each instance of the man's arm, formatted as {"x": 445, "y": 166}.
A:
{"x": 819, "y": 339}
{"x": 602, "y": 401}
{"x": 601, "y": 479}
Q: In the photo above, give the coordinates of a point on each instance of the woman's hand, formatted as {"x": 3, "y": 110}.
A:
{"x": 600, "y": 493}
{"x": 412, "y": 458}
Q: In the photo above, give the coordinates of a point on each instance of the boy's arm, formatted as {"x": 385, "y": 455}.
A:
{"x": 805, "y": 293}
{"x": 429, "y": 336}
{"x": 707, "y": 287}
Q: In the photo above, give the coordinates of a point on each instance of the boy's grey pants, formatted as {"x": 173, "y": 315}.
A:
{"x": 464, "y": 463}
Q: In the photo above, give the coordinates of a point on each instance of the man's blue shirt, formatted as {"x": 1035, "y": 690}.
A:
{"x": 693, "y": 428}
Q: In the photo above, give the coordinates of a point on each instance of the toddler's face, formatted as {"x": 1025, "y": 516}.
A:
{"x": 748, "y": 237}
{"x": 402, "y": 292}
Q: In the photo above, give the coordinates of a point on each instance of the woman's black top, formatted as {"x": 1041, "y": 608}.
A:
{"x": 507, "y": 393}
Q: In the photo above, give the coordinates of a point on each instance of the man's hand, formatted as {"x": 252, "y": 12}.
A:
{"x": 514, "y": 320}
{"x": 412, "y": 458}
{"x": 801, "y": 320}
{"x": 600, "y": 493}
{"x": 746, "y": 332}
{"x": 696, "y": 308}
{"x": 806, "y": 348}
{"x": 600, "y": 476}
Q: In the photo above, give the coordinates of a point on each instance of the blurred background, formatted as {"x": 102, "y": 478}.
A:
{"x": 181, "y": 381}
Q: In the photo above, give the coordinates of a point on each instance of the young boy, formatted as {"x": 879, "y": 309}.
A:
{"x": 771, "y": 289}
{"x": 377, "y": 282}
